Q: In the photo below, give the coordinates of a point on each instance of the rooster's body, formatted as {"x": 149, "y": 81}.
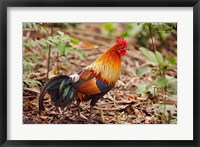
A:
{"x": 91, "y": 83}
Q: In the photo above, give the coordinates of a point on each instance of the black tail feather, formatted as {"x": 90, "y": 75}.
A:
{"x": 52, "y": 87}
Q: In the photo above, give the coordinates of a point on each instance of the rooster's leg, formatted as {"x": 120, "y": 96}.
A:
{"x": 78, "y": 107}
{"x": 92, "y": 104}
{"x": 90, "y": 116}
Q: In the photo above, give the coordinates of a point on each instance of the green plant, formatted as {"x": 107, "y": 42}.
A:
{"x": 56, "y": 41}
{"x": 29, "y": 62}
{"x": 162, "y": 29}
{"x": 109, "y": 28}
{"x": 159, "y": 65}
{"x": 162, "y": 82}
{"x": 158, "y": 31}
{"x": 34, "y": 26}
{"x": 171, "y": 110}
{"x": 63, "y": 44}
{"x": 131, "y": 30}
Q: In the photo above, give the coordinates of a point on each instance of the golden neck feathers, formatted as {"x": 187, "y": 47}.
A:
{"x": 108, "y": 66}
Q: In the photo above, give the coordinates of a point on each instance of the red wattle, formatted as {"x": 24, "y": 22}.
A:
{"x": 122, "y": 53}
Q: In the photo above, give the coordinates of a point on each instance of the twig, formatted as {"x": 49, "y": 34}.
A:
{"x": 57, "y": 66}
{"x": 169, "y": 117}
{"x": 154, "y": 94}
{"x": 31, "y": 96}
{"x": 32, "y": 90}
{"x": 49, "y": 109}
{"x": 118, "y": 102}
{"x": 42, "y": 78}
{"x": 49, "y": 53}
{"x": 102, "y": 117}
{"x": 106, "y": 109}
{"x": 120, "y": 82}
{"x": 164, "y": 98}
{"x": 154, "y": 46}
{"x": 110, "y": 97}
{"x": 59, "y": 110}
{"x": 110, "y": 109}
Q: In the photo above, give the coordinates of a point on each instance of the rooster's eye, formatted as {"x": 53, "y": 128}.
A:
{"x": 120, "y": 48}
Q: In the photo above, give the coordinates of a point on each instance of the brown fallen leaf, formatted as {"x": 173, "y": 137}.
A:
{"x": 43, "y": 117}
{"x": 83, "y": 116}
{"x": 138, "y": 113}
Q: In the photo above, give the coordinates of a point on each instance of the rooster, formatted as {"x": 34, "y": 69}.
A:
{"x": 91, "y": 83}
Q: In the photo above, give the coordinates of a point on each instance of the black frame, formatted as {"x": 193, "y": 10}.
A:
{"x": 94, "y": 3}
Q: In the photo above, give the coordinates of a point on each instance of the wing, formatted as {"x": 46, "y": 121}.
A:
{"x": 91, "y": 84}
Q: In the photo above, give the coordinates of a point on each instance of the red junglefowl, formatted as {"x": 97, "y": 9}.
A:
{"x": 91, "y": 83}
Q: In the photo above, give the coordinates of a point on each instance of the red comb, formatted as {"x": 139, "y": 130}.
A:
{"x": 122, "y": 41}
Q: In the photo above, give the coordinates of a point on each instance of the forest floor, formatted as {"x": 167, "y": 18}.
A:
{"x": 120, "y": 106}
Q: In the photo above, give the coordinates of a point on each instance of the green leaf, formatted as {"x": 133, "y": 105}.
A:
{"x": 141, "y": 70}
{"x": 172, "y": 88}
{"x": 48, "y": 42}
{"x": 141, "y": 89}
{"x": 27, "y": 65}
{"x": 144, "y": 88}
{"x": 161, "y": 82}
{"x": 35, "y": 27}
{"x": 159, "y": 58}
{"x": 31, "y": 83}
{"x": 170, "y": 78}
{"x": 109, "y": 26}
{"x": 29, "y": 25}
{"x": 80, "y": 53}
{"x": 172, "y": 60}
{"x": 61, "y": 33}
{"x": 170, "y": 108}
{"x": 44, "y": 30}
{"x": 74, "y": 40}
{"x": 172, "y": 84}
{"x": 131, "y": 30}
{"x": 149, "y": 54}
{"x": 125, "y": 34}
{"x": 160, "y": 108}
{"x": 41, "y": 42}
{"x": 61, "y": 48}
{"x": 54, "y": 39}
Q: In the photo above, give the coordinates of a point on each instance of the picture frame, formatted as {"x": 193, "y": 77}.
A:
{"x": 195, "y": 4}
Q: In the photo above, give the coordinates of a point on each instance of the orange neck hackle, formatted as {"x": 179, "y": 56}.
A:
{"x": 108, "y": 65}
